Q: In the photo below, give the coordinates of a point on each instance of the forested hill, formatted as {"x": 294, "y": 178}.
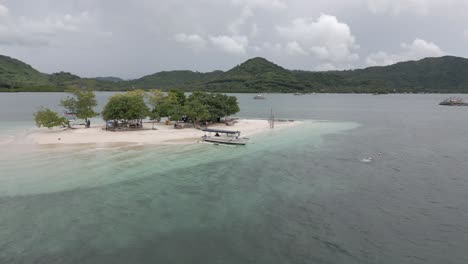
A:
{"x": 444, "y": 74}
{"x": 15, "y": 73}
{"x": 439, "y": 75}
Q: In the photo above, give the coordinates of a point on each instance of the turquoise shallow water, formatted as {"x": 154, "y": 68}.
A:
{"x": 61, "y": 168}
{"x": 300, "y": 195}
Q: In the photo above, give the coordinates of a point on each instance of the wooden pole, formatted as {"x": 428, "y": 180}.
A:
{"x": 272, "y": 119}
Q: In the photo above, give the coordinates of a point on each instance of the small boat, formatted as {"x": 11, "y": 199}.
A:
{"x": 259, "y": 97}
{"x": 453, "y": 101}
{"x": 70, "y": 117}
{"x": 225, "y": 137}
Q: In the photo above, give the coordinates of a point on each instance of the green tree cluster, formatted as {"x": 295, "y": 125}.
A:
{"x": 127, "y": 106}
{"x": 203, "y": 106}
{"x": 171, "y": 105}
{"x": 48, "y": 118}
{"x": 199, "y": 106}
{"x": 81, "y": 103}
{"x": 133, "y": 105}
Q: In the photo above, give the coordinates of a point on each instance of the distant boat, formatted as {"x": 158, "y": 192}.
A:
{"x": 453, "y": 101}
{"x": 259, "y": 97}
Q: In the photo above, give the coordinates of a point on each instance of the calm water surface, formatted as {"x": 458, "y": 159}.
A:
{"x": 301, "y": 195}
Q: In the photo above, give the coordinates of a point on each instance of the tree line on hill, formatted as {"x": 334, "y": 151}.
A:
{"x": 431, "y": 75}
{"x": 138, "y": 105}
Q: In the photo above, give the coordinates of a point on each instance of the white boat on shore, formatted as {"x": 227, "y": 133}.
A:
{"x": 225, "y": 137}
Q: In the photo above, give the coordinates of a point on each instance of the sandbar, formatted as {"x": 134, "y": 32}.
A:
{"x": 162, "y": 134}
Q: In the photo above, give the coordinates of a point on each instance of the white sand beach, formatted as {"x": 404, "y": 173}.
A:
{"x": 164, "y": 134}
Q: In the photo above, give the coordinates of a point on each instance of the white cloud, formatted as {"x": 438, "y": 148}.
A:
{"x": 194, "y": 41}
{"x": 231, "y": 44}
{"x": 256, "y": 48}
{"x": 294, "y": 48}
{"x": 421, "y": 48}
{"x": 265, "y": 4}
{"x": 248, "y": 12}
{"x": 234, "y": 27}
{"x": 272, "y": 47}
{"x": 419, "y": 7}
{"x": 55, "y": 24}
{"x": 381, "y": 58}
{"x": 3, "y": 11}
{"x": 254, "y": 30}
{"x": 239, "y": 30}
{"x": 27, "y": 31}
{"x": 11, "y": 37}
{"x": 418, "y": 49}
{"x": 326, "y": 67}
{"x": 398, "y": 6}
{"x": 326, "y": 38}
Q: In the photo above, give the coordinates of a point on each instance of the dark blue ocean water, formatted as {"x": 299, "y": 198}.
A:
{"x": 301, "y": 195}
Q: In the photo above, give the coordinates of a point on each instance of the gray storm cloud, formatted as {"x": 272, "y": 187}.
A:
{"x": 132, "y": 38}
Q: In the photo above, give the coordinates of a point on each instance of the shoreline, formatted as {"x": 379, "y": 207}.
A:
{"x": 163, "y": 135}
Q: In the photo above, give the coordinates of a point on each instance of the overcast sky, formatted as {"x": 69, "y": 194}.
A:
{"x": 130, "y": 39}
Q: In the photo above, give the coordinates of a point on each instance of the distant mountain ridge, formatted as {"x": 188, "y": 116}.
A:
{"x": 109, "y": 79}
{"x": 446, "y": 74}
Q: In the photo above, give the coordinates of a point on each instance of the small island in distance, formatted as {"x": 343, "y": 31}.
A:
{"x": 446, "y": 74}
